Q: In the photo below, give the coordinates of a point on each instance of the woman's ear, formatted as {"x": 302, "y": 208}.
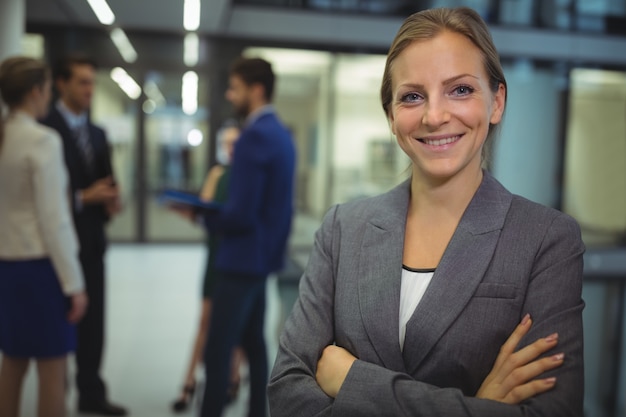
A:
{"x": 392, "y": 124}
{"x": 499, "y": 100}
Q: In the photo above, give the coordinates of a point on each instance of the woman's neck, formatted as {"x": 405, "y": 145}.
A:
{"x": 26, "y": 108}
{"x": 449, "y": 197}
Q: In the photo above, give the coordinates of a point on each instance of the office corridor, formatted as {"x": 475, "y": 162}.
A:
{"x": 152, "y": 313}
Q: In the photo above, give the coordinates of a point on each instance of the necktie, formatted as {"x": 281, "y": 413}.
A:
{"x": 82, "y": 139}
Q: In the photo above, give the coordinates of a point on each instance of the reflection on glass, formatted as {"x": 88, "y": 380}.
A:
{"x": 176, "y": 150}
{"x": 116, "y": 113}
{"x": 345, "y": 149}
{"x": 595, "y": 160}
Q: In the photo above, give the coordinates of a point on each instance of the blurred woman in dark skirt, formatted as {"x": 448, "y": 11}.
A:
{"x": 41, "y": 285}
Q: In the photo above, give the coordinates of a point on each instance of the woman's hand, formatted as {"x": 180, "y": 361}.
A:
{"x": 78, "y": 307}
{"x": 511, "y": 378}
{"x": 332, "y": 369}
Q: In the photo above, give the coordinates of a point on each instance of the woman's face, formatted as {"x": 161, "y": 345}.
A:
{"x": 43, "y": 98}
{"x": 442, "y": 105}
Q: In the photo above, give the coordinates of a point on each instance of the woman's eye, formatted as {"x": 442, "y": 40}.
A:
{"x": 463, "y": 90}
{"x": 410, "y": 97}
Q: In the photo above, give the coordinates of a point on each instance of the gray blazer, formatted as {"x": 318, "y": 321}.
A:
{"x": 508, "y": 257}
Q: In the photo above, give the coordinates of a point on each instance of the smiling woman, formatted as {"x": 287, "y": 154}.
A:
{"x": 447, "y": 295}
{"x": 442, "y": 109}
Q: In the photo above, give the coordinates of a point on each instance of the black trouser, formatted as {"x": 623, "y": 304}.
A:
{"x": 237, "y": 319}
{"x": 91, "y": 330}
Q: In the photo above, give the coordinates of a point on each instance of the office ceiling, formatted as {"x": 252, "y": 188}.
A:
{"x": 161, "y": 15}
{"x": 223, "y": 18}
{"x": 367, "y": 32}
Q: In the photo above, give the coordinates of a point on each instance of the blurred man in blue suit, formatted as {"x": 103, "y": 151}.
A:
{"x": 254, "y": 225}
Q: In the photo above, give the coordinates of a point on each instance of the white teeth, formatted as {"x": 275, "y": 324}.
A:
{"x": 439, "y": 142}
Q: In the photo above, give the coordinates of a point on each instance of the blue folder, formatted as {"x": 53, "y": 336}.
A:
{"x": 177, "y": 197}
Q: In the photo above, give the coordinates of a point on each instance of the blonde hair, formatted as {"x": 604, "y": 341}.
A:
{"x": 427, "y": 24}
{"x": 18, "y": 76}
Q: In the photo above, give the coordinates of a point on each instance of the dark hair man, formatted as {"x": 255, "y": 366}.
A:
{"x": 254, "y": 225}
{"x": 95, "y": 201}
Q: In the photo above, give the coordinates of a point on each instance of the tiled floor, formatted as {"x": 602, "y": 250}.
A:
{"x": 153, "y": 307}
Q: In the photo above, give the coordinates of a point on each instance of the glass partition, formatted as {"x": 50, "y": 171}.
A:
{"x": 116, "y": 113}
{"x": 175, "y": 150}
{"x": 607, "y": 16}
{"x": 595, "y": 155}
{"x": 176, "y": 153}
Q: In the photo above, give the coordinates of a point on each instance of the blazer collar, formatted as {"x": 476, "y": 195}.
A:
{"x": 380, "y": 271}
{"x": 258, "y": 113}
{"x": 455, "y": 280}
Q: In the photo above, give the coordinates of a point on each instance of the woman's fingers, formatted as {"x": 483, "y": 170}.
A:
{"x": 529, "y": 390}
{"x": 511, "y": 379}
{"x": 526, "y": 355}
{"x": 511, "y": 343}
{"x": 524, "y": 375}
{"x": 332, "y": 369}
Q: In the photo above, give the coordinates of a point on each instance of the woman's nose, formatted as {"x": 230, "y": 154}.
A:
{"x": 435, "y": 113}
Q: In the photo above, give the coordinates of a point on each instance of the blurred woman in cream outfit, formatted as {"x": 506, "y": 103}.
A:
{"x": 41, "y": 285}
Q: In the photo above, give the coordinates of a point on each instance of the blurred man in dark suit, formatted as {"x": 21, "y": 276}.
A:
{"x": 95, "y": 199}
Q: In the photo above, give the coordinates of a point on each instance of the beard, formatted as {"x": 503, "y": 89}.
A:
{"x": 242, "y": 110}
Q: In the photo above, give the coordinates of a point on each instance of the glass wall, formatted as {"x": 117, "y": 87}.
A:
{"x": 176, "y": 155}
{"x": 595, "y": 168}
{"x": 116, "y": 113}
{"x": 595, "y": 194}
{"x": 174, "y": 149}
{"x": 605, "y": 16}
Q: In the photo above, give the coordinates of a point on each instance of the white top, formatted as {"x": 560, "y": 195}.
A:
{"x": 35, "y": 217}
{"x": 412, "y": 289}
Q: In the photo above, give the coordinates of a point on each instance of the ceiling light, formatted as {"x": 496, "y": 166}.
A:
{"x": 149, "y": 106}
{"x": 126, "y": 83}
{"x": 123, "y": 45}
{"x": 195, "y": 137}
{"x": 154, "y": 93}
{"x": 191, "y": 18}
{"x": 190, "y": 92}
{"x": 103, "y": 11}
{"x": 192, "y": 49}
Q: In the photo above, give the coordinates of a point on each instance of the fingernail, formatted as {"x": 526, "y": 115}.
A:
{"x": 550, "y": 381}
{"x": 552, "y": 338}
{"x": 558, "y": 357}
{"x": 525, "y": 319}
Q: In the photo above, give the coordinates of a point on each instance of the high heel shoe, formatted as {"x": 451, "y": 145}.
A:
{"x": 182, "y": 403}
{"x": 233, "y": 390}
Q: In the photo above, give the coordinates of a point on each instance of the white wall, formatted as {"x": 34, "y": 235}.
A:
{"x": 12, "y": 22}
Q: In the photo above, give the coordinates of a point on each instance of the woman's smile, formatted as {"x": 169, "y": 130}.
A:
{"x": 439, "y": 141}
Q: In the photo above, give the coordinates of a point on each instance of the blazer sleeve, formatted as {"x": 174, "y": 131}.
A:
{"x": 293, "y": 390}
{"x": 50, "y": 185}
{"x": 553, "y": 299}
{"x": 105, "y": 153}
{"x": 246, "y": 188}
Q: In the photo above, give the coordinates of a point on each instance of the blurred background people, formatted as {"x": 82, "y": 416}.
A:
{"x": 215, "y": 188}
{"x": 95, "y": 199}
{"x": 254, "y": 225}
{"x": 42, "y": 293}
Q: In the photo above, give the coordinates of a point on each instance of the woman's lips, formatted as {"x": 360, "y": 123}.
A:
{"x": 440, "y": 140}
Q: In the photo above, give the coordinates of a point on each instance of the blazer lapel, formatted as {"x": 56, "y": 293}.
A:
{"x": 380, "y": 276}
{"x": 461, "y": 269}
